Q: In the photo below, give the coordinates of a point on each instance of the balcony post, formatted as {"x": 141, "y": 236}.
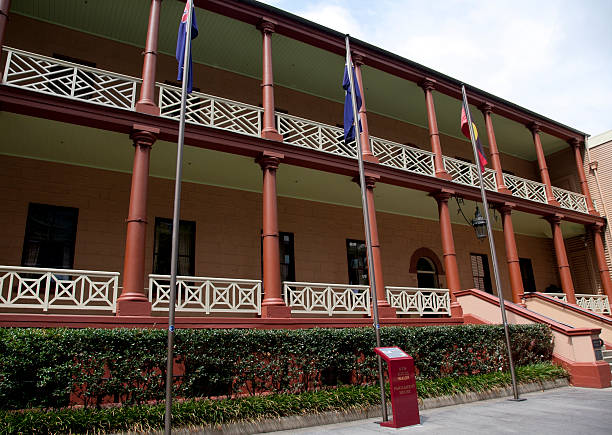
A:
{"x": 385, "y": 310}
{"x": 575, "y": 144}
{"x": 535, "y": 131}
{"x": 564, "y": 271}
{"x": 133, "y": 301}
{"x": 514, "y": 267}
{"x": 5, "y": 6}
{"x": 486, "y": 109}
{"x": 363, "y": 117}
{"x": 266, "y": 26}
{"x": 146, "y": 102}
{"x": 448, "y": 251}
{"x": 602, "y": 265}
{"x": 428, "y": 86}
{"x": 273, "y": 305}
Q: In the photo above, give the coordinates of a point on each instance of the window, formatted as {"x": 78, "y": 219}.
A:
{"x": 427, "y": 275}
{"x": 50, "y": 236}
{"x": 480, "y": 272}
{"x": 527, "y": 275}
{"x": 357, "y": 262}
{"x": 162, "y": 249}
{"x": 287, "y": 260}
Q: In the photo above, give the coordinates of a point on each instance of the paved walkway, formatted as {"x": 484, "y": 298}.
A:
{"x": 567, "y": 410}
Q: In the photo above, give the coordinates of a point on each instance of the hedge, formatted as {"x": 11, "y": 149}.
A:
{"x": 207, "y": 412}
{"x": 44, "y": 367}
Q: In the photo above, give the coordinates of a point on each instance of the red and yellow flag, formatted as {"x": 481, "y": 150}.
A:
{"x": 465, "y": 129}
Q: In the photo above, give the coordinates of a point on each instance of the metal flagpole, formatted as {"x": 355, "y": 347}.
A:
{"x": 366, "y": 224}
{"x": 175, "y": 227}
{"x": 485, "y": 205}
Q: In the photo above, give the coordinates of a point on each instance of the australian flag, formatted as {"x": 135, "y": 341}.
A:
{"x": 349, "y": 119}
{"x": 180, "y": 45}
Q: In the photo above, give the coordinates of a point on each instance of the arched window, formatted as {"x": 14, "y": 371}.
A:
{"x": 427, "y": 275}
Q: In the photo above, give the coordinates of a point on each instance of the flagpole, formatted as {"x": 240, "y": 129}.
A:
{"x": 175, "y": 227}
{"x": 485, "y": 205}
{"x": 366, "y": 224}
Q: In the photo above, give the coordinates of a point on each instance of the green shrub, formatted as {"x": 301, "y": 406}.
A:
{"x": 44, "y": 367}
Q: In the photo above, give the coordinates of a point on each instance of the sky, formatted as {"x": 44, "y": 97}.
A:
{"x": 551, "y": 57}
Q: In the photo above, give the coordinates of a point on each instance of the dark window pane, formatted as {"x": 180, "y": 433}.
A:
{"x": 287, "y": 259}
{"x": 162, "y": 249}
{"x": 50, "y": 236}
{"x": 527, "y": 275}
{"x": 480, "y": 272}
{"x": 357, "y": 262}
{"x": 427, "y": 275}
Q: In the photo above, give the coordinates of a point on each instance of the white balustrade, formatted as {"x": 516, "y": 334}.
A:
{"x": 330, "y": 299}
{"x": 62, "y": 289}
{"x": 66, "y": 79}
{"x": 570, "y": 200}
{"x": 595, "y": 303}
{"x": 403, "y": 156}
{"x": 206, "y": 295}
{"x": 558, "y": 296}
{"x": 210, "y": 111}
{"x": 410, "y": 300}
{"x": 467, "y": 173}
{"x": 526, "y": 189}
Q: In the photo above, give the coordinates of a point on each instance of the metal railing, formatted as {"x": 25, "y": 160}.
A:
{"x": 56, "y": 77}
{"x": 410, "y": 300}
{"x": 62, "y": 289}
{"x": 467, "y": 173}
{"x": 595, "y": 303}
{"x": 526, "y": 189}
{"x": 330, "y": 299}
{"x": 570, "y": 200}
{"x": 206, "y": 295}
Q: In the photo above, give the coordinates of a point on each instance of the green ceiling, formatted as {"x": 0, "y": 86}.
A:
{"x": 235, "y": 46}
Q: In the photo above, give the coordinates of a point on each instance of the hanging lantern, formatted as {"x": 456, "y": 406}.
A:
{"x": 480, "y": 225}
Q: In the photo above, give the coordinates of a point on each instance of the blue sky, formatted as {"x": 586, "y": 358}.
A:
{"x": 552, "y": 57}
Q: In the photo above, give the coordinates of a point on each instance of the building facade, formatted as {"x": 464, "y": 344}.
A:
{"x": 271, "y": 221}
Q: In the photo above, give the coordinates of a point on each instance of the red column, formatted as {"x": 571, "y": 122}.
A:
{"x": 269, "y": 129}
{"x": 146, "y": 103}
{"x": 495, "y": 162}
{"x": 564, "y": 271}
{"x": 448, "y": 251}
{"x": 514, "y": 267}
{"x": 133, "y": 301}
{"x": 363, "y": 118}
{"x": 273, "y": 305}
{"x": 575, "y": 144}
{"x": 535, "y": 130}
{"x": 384, "y": 309}
{"x": 5, "y": 6}
{"x": 428, "y": 86}
{"x": 602, "y": 265}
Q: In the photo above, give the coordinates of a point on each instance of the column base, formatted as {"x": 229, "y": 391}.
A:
{"x": 370, "y": 158}
{"x": 456, "y": 310}
{"x": 444, "y": 175}
{"x": 275, "y": 311}
{"x": 149, "y": 109}
{"x": 272, "y": 135}
{"x": 385, "y": 312}
{"x": 504, "y": 190}
{"x": 133, "y": 305}
{"x": 554, "y": 202}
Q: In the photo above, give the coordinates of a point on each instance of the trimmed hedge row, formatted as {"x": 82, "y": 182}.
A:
{"x": 214, "y": 412}
{"x": 44, "y": 367}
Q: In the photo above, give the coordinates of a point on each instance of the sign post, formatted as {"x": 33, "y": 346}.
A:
{"x": 402, "y": 381}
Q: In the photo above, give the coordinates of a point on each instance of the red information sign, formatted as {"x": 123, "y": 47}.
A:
{"x": 402, "y": 381}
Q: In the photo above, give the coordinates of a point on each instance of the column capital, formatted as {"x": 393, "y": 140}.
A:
{"x": 358, "y": 58}
{"x": 370, "y": 179}
{"x": 505, "y": 207}
{"x": 427, "y": 84}
{"x": 535, "y": 127}
{"x": 555, "y": 218}
{"x": 442, "y": 195}
{"x": 596, "y": 227}
{"x": 144, "y": 135}
{"x": 486, "y": 108}
{"x": 269, "y": 160}
{"x": 266, "y": 25}
{"x": 574, "y": 142}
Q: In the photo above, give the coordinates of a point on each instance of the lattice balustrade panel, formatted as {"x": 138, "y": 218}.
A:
{"x": 410, "y": 300}
{"x": 595, "y": 303}
{"x": 467, "y": 173}
{"x": 314, "y": 135}
{"x": 62, "y": 289}
{"x": 402, "y": 156}
{"x": 526, "y": 189}
{"x": 330, "y": 299}
{"x": 570, "y": 200}
{"x": 206, "y": 295}
{"x": 211, "y": 111}
{"x": 559, "y": 296}
{"x": 66, "y": 79}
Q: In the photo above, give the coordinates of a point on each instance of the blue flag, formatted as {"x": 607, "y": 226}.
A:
{"x": 180, "y": 46}
{"x": 349, "y": 119}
